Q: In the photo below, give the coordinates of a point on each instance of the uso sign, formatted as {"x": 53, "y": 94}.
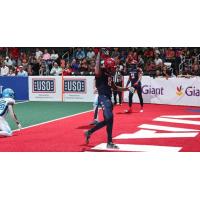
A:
{"x": 75, "y": 86}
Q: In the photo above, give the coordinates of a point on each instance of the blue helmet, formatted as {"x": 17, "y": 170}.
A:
{"x": 8, "y": 93}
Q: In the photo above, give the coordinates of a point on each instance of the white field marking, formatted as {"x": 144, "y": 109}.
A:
{"x": 166, "y": 128}
{"x": 53, "y": 120}
{"x": 21, "y": 102}
{"x": 182, "y": 116}
{"x": 134, "y": 147}
{"x": 153, "y": 134}
{"x": 179, "y": 121}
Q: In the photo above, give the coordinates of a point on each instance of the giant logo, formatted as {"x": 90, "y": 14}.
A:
{"x": 147, "y": 89}
{"x": 189, "y": 91}
{"x": 179, "y": 90}
{"x": 43, "y": 85}
{"x": 75, "y": 85}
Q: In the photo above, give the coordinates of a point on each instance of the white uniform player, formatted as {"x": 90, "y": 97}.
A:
{"x": 6, "y": 105}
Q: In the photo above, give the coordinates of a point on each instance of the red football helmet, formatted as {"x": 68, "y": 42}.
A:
{"x": 109, "y": 64}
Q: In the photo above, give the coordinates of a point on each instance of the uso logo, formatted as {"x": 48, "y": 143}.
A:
{"x": 75, "y": 85}
{"x": 43, "y": 85}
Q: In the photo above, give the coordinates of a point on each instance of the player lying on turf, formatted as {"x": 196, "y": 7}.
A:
{"x": 6, "y": 105}
{"x": 105, "y": 85}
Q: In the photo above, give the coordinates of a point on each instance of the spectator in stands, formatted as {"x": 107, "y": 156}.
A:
{"x": 170, "y": 54}
{"x": 195, "y": 68}
{"x": 165, "y": 72}
{"x": 46, "y": 55}
{"x": 123, "y": 56}
{"x": 38, "y": 54}
{"x": 42, "y": 70}
{"x": 8, "y": 62}
{"x": 30, "y": 70}
{"x": 158, "y": 73}
{"x": 22, "y": 72}
{"x": 83, "y": 66}
{"x": 54, "y": 55}
{"x": 149, "y": 53}
{"x": 67, "y": 70}
{"x": 91, "y": 66}
{"x": 150, "y": 68}
{"x": 90, "y": 54}
{"x": 158, "y": 61}
{"x": 140, "y": 61}
{"x": 12, "y": 72}
{"x": 56, "y": 70}
{"x": 80, "y": 54}
{"x": 4, "y": 70}
{"x": 46, "y": 58}
{"x": 35, "y": 67}
{"x": 115, "y": 53}
{"x": 75, "y": 66}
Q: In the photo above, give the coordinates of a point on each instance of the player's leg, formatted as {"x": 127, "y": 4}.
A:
{"x": 96, "y": 108}
{"x": 130, "y": 102}
{"x": 115, "y": 97}
{"x": 108, "y": 121}
{"x": 120, "y": 97}
{"x": 139, "y": 92}
{"x": 5, "y": 129}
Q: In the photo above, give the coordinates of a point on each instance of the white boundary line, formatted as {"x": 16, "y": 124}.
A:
{"x": 21, "y": 102}
{"x": 53, "y": 120}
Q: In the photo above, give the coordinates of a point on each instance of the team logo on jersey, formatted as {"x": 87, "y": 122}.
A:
{"x": 75, "y": 85}
{"x": 179, "y": 90}
{"x": 44, "y": 85}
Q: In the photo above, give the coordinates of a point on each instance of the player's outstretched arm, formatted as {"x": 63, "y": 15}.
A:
{"x": 97, "y": 65}
{"x": 13, "y": 116}
{"x": 120, "y": 89}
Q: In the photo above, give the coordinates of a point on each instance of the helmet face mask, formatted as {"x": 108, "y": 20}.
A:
{"x": 8, "y": 93}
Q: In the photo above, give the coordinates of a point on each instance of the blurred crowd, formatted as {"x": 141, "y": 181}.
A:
{"x": 156, "y": 62}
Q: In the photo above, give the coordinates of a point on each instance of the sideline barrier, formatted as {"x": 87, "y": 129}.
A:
{"x": 174, "y": 91}
{"x": 18, "y": 84}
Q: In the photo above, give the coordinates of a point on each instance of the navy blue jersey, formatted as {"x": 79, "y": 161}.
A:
{"x": 134, "y": 76}
{"x": 103, "y": 84}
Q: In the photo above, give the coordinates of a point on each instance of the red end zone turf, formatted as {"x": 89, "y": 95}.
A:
{"x": 67, "y": 135}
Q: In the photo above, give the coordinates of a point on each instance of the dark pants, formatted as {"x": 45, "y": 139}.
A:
{"x": 96, "y": 112}
{"x": 115, "y": 93}
{"x": 139, "y": 92}
{"x": 107, "y": 107}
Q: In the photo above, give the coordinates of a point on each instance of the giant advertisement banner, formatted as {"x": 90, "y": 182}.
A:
{"x": 18, "y": 84}
{"x": 172, "y": 91}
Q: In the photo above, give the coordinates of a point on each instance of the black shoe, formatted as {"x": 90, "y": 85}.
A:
{"x": 87, "y": 137}
{"x": 112, "y": 146}
{"x": 94, "y": 122}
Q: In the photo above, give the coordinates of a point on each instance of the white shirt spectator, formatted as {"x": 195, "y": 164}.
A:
{"x": 56, "y": 70}
{"x": 22, "y": 72}
{"x": 158, "y": 61}
{"x": 4, "y": 70}
{"x": 8, "y": 62}
{"x": 38, "y": 54}
{"x": 54, "y": 56}
{"x": 90, "y": 54}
